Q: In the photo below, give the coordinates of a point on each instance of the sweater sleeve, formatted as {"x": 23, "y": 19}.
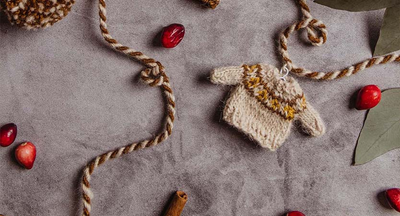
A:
{"x": 227, "y": 75}
{"x": 311, "y": 122}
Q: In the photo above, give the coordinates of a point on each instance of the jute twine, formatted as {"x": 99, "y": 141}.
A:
{"x": 154, "y": 75}
{"x": 317, "y": 35}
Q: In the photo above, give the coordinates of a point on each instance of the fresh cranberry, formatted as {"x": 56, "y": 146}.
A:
{"x": 26, "y": 154}
{"x": 295, "y": 213}
{"x": 368, "y": 97}
{"x": 8, "y": 133}
{"x": 393, "y": 197}
{"x": 172, "y": 35}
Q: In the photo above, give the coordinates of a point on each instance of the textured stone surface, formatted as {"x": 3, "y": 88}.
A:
{"x": 75, "y": 98}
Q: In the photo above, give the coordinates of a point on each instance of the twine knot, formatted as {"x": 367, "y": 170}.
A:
{"x": 316, "y": 29}
{"x": 316, "y": 32}
{"x": 154, "y": 76}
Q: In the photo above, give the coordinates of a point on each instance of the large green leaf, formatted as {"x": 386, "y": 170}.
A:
{"x": 389, "y": 39}
{"x": 358, "y": 5}
{"x": 381, "y": 132}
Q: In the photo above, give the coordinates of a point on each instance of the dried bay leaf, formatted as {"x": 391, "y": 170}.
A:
{"x": 358, "y": 5}
{"x": 381, "y": 132}
{"x": 389, "y": 39}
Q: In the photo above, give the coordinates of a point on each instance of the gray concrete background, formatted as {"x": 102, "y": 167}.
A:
{"x": 75, "y": 98}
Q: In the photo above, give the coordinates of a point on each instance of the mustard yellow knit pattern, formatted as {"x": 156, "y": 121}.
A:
{"x": 263, "y": 105}
{"x": 258, "y": 83}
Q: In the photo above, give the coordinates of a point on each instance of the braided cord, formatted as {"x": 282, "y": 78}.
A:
{"x": 317, "y": 35}
{"x": 154, "y": 75}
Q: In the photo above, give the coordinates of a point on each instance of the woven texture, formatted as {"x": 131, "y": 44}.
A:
{"x": 33, "y": 14}
{"x": 263, "y": 105}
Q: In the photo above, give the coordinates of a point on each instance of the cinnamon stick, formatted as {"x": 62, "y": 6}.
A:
{"x": 177, "y": 204}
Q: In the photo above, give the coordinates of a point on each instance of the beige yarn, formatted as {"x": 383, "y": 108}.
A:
{"x": 33, "y": 14}
{"x": 264, "y": 106}
{"x": 154, "y": 75}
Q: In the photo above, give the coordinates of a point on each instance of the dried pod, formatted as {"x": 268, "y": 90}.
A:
{"x": 211, "y": 3}
{"x": 34, "y": 14}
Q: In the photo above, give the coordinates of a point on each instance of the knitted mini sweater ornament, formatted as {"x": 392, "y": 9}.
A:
{"x": 264, "y": 106}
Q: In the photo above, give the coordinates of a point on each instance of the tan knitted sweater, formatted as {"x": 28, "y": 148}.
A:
{"x": 263, "y": 105}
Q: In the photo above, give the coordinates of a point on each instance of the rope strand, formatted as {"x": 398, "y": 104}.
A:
{"x": 317, "y": 35}
{"x": 154, "y": 75}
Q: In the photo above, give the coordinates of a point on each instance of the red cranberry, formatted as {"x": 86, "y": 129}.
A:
{"x": 393, "y": 197}
{"x": 295, "y": 213}
{"x": 26, "y": 154}
{"x": 172, "y": 35}
{"x": 8, "y": 133}
{"x": 368, "y": 97}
